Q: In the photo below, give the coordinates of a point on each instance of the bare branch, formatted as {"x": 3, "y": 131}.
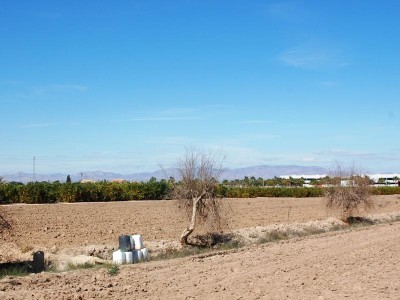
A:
{"x": 199, "y": 173}
{"x": 349, "y": 191}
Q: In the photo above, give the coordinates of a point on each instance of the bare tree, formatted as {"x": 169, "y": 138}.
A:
{"x": 195, "y": 192}
{"x": 349, "y": 191}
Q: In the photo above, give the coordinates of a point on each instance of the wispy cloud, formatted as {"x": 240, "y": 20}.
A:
{"x": 308, "y": 159}
{"x": 50, "y": 89}
{"x": 262, "y": 136}
{"x": 249, "y": 122}
{"x": 178, "y": 111}
{"x": 345, "y": 153}
{"x": 162, "y": 119}
{"x": 171, "y": 140}
{"x": 58, "y": 88}
{"x": 38, "y": 125}
{"x": 167, "y": 115}
{"x": 326, "y": 157}
{"x": 68, "y": 87}
{"x": 239, "y": 156}
{"x": 312, "y": 57}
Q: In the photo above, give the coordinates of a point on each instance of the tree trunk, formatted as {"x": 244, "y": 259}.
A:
{"x": 188, "y": 231}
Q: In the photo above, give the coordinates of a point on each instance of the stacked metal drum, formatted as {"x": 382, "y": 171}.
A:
{"x": 131, "y": 250}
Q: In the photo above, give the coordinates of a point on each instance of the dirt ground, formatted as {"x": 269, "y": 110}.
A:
{"x": 81, "y": 224}
{"x": 356, "y": 263}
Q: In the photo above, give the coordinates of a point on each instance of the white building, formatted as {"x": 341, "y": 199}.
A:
{"x": 307, "y": 178}
{"x": 388, "y": 178}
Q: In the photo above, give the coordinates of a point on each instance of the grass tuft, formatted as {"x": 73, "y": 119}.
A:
{"x": 113, "y": 270}
{"x": 171, "y": 253}
{"x": 85, "y": 265}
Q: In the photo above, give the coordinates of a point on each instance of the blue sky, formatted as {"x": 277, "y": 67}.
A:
{"x": 124, "y": 86}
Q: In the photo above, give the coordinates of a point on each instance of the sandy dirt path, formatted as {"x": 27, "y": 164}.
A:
{"x": 362, "y": 263}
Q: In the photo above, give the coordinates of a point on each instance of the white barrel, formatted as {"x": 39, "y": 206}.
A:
{"x": 137, "y": 238}
{"x": 129, "y": 257}
{"x": 145, "y": 254}
{"x": 140, "y": 255}
{"x": 132, "y": 242}
{"x": 119, "y": 257}
{"x": 137, "y": 256}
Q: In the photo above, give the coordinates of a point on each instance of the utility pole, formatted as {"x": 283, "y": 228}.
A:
{"x": 34, "y": 166}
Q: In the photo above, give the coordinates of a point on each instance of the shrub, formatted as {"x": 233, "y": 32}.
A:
{"x": 385, "y": 190}
{"x": 349, "y": 192}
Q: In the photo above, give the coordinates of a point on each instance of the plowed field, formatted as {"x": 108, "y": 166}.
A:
{"x": 358, "y": 263}
{"x": 68, "y": 225}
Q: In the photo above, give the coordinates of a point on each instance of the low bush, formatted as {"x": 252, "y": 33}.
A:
{"x": 385, "y": 190}
{"x": 251, "y": 192}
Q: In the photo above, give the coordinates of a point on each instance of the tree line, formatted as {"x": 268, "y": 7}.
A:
{"x": 46, "y": 192}
{"x": 104, "y": 191}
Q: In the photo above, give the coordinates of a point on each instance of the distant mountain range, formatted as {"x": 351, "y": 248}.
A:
{"x": 263, "y": 171}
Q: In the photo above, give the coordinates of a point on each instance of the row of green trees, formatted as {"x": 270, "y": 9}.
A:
{"x": 261, "y": 182}
{"x": 45, "y": 192}
{"x": 251, "y": 192}
{"x": 298, "y": 192}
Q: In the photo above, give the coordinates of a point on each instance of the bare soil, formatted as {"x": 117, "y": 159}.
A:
{"x": 357, "y": 263}
{"x": 81, "y": 224}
